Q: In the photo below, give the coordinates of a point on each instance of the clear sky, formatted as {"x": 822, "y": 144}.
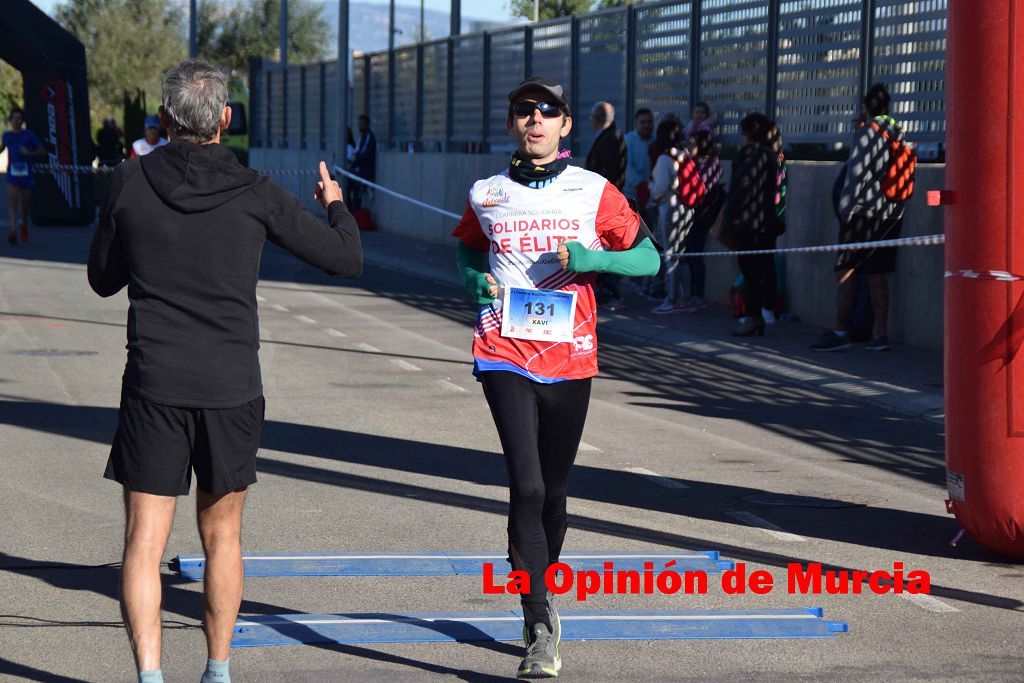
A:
{"x": 496, "y": 10}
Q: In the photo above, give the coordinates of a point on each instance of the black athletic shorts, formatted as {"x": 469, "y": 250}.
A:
{"x": 157, "y": 447}
{"x": 869, "y": 261}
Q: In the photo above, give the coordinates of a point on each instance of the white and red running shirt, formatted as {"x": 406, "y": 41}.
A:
{"x": 141, "y": 148}
{"x": 520, "y": 228}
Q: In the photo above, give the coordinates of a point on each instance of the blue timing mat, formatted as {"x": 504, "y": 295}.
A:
{"x": 441, "y": 564}
{"x": 293, "y": 629}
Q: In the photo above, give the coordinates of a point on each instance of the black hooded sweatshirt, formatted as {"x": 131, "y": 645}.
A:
{"x": 183, "y": 227}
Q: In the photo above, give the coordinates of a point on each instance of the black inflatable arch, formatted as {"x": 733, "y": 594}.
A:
{"x": 52, "y": 65}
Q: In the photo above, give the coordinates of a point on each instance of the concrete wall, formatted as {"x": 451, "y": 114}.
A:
{"x": 917, "y": 287}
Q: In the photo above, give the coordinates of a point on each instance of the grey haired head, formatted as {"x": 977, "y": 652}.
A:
{"x": 194, "y": 94}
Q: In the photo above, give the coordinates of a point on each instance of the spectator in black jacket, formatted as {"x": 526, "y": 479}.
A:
{"x": 608, "y": 158}
{"x": 183, "y": 229}
{"x": 608, "y": 154}
{"x": 750, "y": 219}
{"x": 364, "y": 162}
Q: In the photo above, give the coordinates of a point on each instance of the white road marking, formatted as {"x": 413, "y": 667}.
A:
{"x": 764, "y": 525}
{"x": 363, "y": 346}
{"x": 405, "y": 365}
{"x": 261, "y": 299}
{"x": 928, "y": 602}
{"x": 279, "y": 307}
{"x": 449, "y": 385}
{"x": 587, "y": 447}
{"x": 305, "y": 319}
{"x": 667, "y": 482}
{"x": 334, "y": 333}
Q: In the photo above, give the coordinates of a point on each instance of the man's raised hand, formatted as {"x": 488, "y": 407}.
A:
{"x": 327, "y": 190}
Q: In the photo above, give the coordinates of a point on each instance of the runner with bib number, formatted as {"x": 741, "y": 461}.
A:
{"x": 22, "y": 147}
{"x": 531, "y": 243}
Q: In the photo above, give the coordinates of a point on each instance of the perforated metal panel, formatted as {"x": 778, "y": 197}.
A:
{"x": 552, "y": 52}
{"x": 602, "y": 78}
{"x": 406, "y": 103}
{"x": 818, "y": 84}
{"x": 816, "y": 58}
{"x": 467, "y": 86}
{"x": 435, "y": 92}
{"x": 275, "y": 90}
{"x": 663, "y": 58}
{"x": 910, "y": 58}
{"x": 257, "y": 106}
{"x": 379, "y": 84}
{"x": 293, "y": 104}
{"x": 311, "y": 122}
{"x": 507, "y": 67}
{"x": 733, "y": 54}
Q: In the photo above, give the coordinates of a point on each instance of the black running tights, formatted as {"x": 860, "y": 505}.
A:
{"x": 540, "y": 426}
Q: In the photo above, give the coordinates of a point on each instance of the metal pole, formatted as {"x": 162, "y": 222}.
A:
{"x": 773, "y": 59}
{"x": 391, "y": 74}
{"x": 423, "y": 34}
{"x": 455, "y": 18}
{"x": 391, "y": 28}
{"x": 630, "y": 65}
{"x": 449, "y": 110}
{"x": 342, "y": 84}
{"x": 486, "y": 102}
{"x": 867, "y": 46}
{"x": 695, "y": 21}
{"x": 193, "y": 30}
{"x": 283, "y": 35}
{"x": 527, "y": 52}
{"x": 536, "y": 11}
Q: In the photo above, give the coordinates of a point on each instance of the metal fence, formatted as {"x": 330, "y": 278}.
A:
{"x": 805, "y": 63}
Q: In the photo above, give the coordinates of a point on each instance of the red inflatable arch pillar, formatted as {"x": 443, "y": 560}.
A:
{"x": 984, "y": 316}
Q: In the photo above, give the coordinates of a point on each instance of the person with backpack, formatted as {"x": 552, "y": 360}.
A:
{"x": 677, "y": 189}
{"x": 752, "y": 220}
{"x": 879, "y": 178}
{"x": 706, "y": 210}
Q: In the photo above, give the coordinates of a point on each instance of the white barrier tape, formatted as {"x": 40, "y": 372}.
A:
{"x": 72, "y": 168}
{"x": 424, "y": 205}
{"x": 999, "y": 275}
{"x": 922, "y": 241}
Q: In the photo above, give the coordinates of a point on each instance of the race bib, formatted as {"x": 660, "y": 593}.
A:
{"x": 18, "y": 169}
{"x": 538, "y": 314}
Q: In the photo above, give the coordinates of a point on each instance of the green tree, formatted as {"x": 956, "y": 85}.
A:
{"x": 550, "y": 9}
{"x": 12, "y": 91}
{"x": 128, "y": 46}
{"x": 230, "y": 35}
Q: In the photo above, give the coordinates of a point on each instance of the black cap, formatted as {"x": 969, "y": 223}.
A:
{"x": 544, "y": 84}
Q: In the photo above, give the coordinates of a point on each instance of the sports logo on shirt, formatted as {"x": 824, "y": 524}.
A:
{"x": 496, "y": 195}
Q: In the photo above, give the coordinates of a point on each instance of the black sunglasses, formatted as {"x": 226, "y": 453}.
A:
{"x": 548, "y": 110}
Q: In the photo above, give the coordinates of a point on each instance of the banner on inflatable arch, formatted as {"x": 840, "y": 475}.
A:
{"x": 52, "y": 65}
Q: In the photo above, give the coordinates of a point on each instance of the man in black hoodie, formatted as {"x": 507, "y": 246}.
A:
{"x": 183, "y": 228}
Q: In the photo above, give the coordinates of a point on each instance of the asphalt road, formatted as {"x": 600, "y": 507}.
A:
{"x": 378, "y": 439}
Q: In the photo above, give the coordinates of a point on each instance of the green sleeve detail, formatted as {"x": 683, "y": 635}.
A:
{"x": 641, "y": 260}
{"x": 473, "y": 267}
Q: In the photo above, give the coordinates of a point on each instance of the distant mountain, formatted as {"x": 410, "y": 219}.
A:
{"x": 369, "y": 25}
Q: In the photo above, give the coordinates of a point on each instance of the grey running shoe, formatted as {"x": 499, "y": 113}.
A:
{"x": 878, "y": 344}
{"x": 541, "y": 660}
{"x": 556, "y": 623}
{"x": 830, "y": 341}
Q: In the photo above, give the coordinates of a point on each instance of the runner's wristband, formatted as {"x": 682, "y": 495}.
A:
{"x": 641, "y": 260}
